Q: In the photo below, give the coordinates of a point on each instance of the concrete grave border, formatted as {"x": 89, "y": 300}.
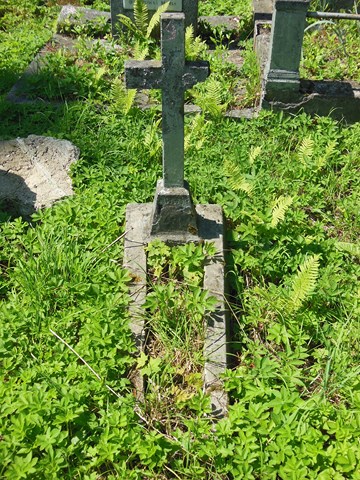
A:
{"x": 210, "y": 224}
{"x": 69, "y": 16}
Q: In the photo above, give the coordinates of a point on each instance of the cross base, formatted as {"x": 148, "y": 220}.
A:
{"x": 173, "y": 212}
{"x": 282, "y": 85}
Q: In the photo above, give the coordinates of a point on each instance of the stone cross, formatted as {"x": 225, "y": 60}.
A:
{"x": 173, "y": 76}
{"x": 173, "y": 210}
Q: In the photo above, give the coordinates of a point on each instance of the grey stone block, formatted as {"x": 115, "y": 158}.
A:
{"x": 263, "y": 9}
{"x": 173, "y": 211}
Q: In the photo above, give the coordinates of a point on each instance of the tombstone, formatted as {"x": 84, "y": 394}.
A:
{"x": 282, "y": 80}
{"x": 172, "y": 216}
{"x": 173, "y": 210}
{"x": 126, "y": 7}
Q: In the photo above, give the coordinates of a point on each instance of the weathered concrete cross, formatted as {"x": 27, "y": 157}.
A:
{"x": 173, "y": 76}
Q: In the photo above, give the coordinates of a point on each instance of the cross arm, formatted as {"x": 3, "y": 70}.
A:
{"x": 145, "y": 74}
{"x": 195, "y": 72}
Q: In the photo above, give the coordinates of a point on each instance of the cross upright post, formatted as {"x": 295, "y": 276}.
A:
{"x": 173, "y": 75}
{"x": 173, "y": 66}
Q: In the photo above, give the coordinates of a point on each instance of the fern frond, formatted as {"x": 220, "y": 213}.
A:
{"x": 194, "y": 46}
{"x": 209, "y": 97}
{"x": 304, "y": 282}
{"x": 254, "y": 153}
{"x": 141, "y": 51}
{"x": 141, "y": 15}
{"x": 155, "y": 19}
{"x": 306, "y": 150}
{"x": 237, "y": 180}
{"x": 121, "y": 99}
{"x": 117, "y": 91}
{"x": 329, "y": 151}
{"x": 189, "y": 36}
{"x": 351, "y": 248}
{"x": 214, "y": 90}
{"x": 279, "y": 209}
{"x": 194, "y": 133}
{"x": 127, "y": 22}
{"x": 152, "y": 139}
{"x": 129, "y": 100}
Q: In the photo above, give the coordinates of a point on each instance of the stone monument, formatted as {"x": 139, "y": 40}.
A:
{"x": 173, "y": 209}
{"x": 172, "y": 216}
{"x": 126, "y": 7}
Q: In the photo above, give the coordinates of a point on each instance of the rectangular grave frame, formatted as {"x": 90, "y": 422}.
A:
{"x": 211, "y": 229}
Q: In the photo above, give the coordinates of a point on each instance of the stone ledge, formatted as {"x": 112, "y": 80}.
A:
{"x": 339, "y": 100}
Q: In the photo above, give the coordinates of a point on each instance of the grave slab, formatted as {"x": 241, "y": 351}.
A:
{"x": 228, "y": 24}
{"x": 34, "y": 172}
{"x": 338, "y": 100}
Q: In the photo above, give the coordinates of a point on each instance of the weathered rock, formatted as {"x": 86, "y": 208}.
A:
{"x": 34, "y": 172}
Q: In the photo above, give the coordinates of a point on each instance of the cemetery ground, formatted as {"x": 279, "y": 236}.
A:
{"x": 290, "y": 190}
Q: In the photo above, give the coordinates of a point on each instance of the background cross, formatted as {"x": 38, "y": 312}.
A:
{"x": 173, "y": 75}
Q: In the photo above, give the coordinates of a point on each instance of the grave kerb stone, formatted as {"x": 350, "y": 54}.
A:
{"x": 211, "y": 229}
{"x": 125, "y": 7}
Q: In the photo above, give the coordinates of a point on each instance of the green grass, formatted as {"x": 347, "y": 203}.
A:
{"x": 290, "y": 192}
{"x": 330, "y": 52}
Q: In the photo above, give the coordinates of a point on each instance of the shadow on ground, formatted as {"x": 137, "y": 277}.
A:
{"x": 16, "y": 198}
